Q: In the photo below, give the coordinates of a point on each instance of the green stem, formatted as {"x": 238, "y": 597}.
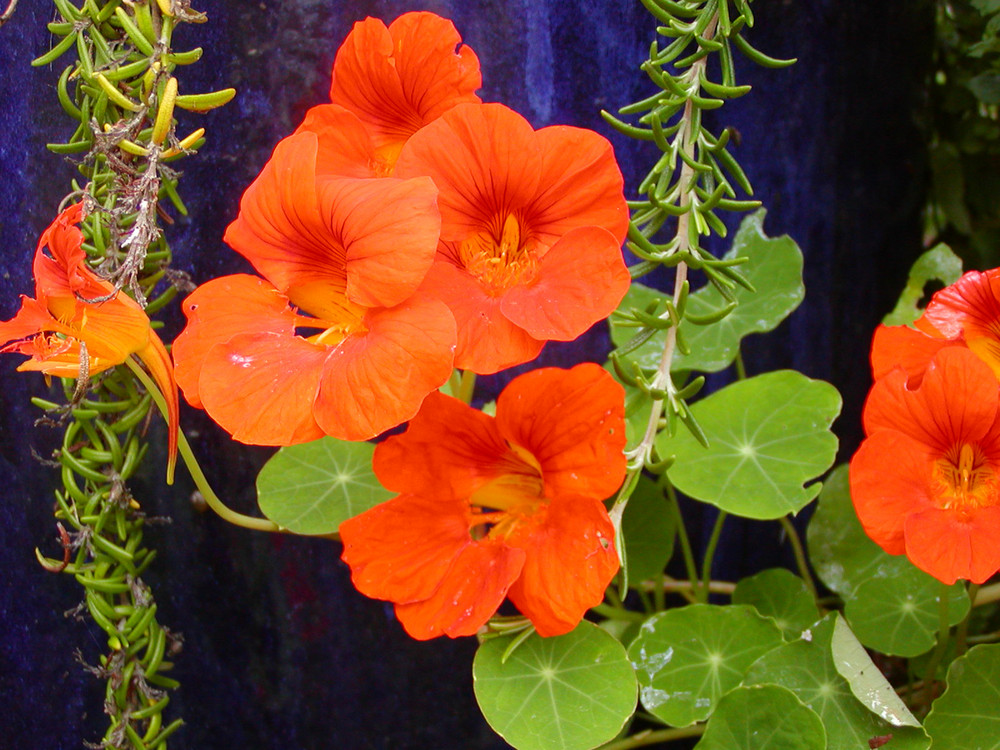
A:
{"x": 618, "y": 613}
{"x": 800, "y": 555}
{"x": 962, "y": 634}
{"x": 675, "y": 508}
{"x": 741, "y": 370}
{"x": 987, "y": 595}
{"x": 944, "y": 634}
{"x": 655, "y": 736}
{"x": 467, "y": 386}
{"x": 706, "y": 564}
{"x": 227, "y": 514}
{"x": 671, "y": 586}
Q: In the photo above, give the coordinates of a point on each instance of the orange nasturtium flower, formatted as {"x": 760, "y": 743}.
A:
{"x": 60, "y": 330}
{"x": 398, "y": 79}
{"x": 350, "y": 254}
{"x": 532, "y": 224}
{"x": 966, "y": 313}
{"x": 497, "y": 507}
{"x": 926, "y": 480}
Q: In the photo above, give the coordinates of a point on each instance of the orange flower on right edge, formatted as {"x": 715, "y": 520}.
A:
{"x": 926, "y": 480}
{"x": 532, "y": 224}
{"x": 496, "y": 507}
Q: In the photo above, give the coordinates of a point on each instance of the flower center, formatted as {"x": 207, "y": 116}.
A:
{"x": 966, "y": 478}
{"x": 511, "y": 498}
{"x": 336, "y": 315}
{"x": 500, "y": 259}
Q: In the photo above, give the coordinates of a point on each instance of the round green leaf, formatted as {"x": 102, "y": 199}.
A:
{"x": 807, "y": 668}
{"x": 841, "y": 553}
{"x": 313, "y": 487}
{"x": 686, "y": 658}
{"x": 570, "y": 692}
{"x": 649, "y": 530}
{"x": 773, "y": 268}
{"x": 767, "y": 436}
{"x": 900, "y": 616}
{"x": 967, "y": 715}
{"x": 780, "y": 595}
{"x": 763, "y": 717}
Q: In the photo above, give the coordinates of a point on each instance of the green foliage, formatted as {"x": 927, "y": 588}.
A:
{"x": 892, "y": 606}
{"x": 899, "y": 616}
{"x": 807, "y": 667}
{"x": 767, "y": 436}
{"x": 570, "y": 692}
{"x": 967, "y": 715}
{"x": 773, "y": 267}
{"x": 937, "y": 264}
{"x": 649, "y": 531}
{"x": 964, "y": 210}
{"x": 763, "y": 717}
{"x": 688, "y": 658}
{"x": 782, "y": 596}
{"x": 312, "y": 488}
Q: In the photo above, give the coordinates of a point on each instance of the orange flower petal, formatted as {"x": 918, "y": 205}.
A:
{"x": 569, "y": 561}
{"x": 448, "y": 449}
{"x": 401, "y": 549}
{"x": 335, "y": 234}
{"x": 890, "y": 479}
{"x": 580, "y": 185}
{"x": 573, "y": 423}
{"x": 376, "y": 381}
{"x": 485, "y": 161}
{"x": 344, "y": 147}
{"x": 956, "y": 401}
{"x": 949, "y": 545}
{"x": 399, "y": 79}
{"x": 900, "y": 346}
{"x": 260, "y": 387}
{"x": 469, "y": 594}
{"x": 487, "y": 340}
{"x": 220, "y": 309}
{"x": 581, "y": 280}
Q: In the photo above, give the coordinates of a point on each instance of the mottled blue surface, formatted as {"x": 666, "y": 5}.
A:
{"x": 279, "y": 650}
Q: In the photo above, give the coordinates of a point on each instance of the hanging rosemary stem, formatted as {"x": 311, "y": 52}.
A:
{"x": 121, "y": 95}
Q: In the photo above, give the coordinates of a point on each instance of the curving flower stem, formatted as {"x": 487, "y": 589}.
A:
{"x": 962, "y": 634}
{"x": 213, "y": 501}
{"x": 675, "y": 509}
{"x": 706, "y": 563}
{"x": 466, "y": 387}
{"x": 800, "y": 555}
{"x": 944, "y": 635}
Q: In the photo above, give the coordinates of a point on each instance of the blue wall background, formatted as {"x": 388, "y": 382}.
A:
{"x": 280, "y": 652}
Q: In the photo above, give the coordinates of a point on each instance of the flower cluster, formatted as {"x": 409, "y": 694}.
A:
{"x": 402, "y": 230}
{"x": 78, "y": 325}
{"x": 926, "y": 479}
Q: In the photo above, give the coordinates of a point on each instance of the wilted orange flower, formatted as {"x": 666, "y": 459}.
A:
{"x": 494, "y": 507}
{"x": 348, "y": 252}
{"x": 531, "y": 232}
{"x": 397, "y": 79}
{"x": 966, "y": 313}
{"x": 926, "y": 480}
{"x": 59, "y": 329}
